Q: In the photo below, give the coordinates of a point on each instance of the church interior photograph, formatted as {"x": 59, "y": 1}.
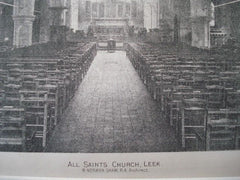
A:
{"x": 119, "y": 76}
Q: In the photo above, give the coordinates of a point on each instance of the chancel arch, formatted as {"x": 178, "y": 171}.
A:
{"x": 188, "y": 21}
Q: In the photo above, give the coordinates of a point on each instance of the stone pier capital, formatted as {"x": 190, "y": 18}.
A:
{"x": 23, "y": 18}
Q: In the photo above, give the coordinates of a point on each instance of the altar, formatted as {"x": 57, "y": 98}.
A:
{"x": 114, "y": 28}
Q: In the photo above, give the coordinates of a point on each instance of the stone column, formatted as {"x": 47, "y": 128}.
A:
{"x": 58, "y": 12}
{"x": 45, "y": 22}
{"x": 2, "y": 23}
{"x": 23, "y": 18}
{"x": 201, "y": 32}
{"x": 200, "y": 21}
{"x": 113, "y": 10}
{"x": 58, "y": 28}
{"x": 105, "y": 10}
{"x": 150, "y": 14}
{"x": 74, "y": 15}
{"x": 124, "y": 9}
{"x": 98, "y": 10}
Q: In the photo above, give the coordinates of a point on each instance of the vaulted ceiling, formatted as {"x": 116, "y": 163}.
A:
{"x": 218, "y": 2}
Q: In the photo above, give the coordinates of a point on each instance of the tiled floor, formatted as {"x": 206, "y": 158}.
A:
{"x": 112, "y": 112}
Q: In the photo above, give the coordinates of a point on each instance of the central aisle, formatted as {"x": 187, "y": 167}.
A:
{"x": 112, "y": 112}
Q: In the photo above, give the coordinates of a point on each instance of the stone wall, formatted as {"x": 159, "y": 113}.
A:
{"x": 194, "y": 22}
{"x": 227, "y": 19}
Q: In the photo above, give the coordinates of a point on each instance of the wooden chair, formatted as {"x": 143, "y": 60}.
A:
{"x": 232, "y": 99}
{"x": 193, "y": 120}
{"x": 223, "y": 130}
{"x": 56, "y": 109}
{"x": 3, "y": 77}
{"x": 37, "y": 110}
{"x": 2, "y": 97}
{"x": 175, "y": 103}
{"x": 12, "y": 128}
{"x": 12, "y": 97}
{"x": 216, "y": 96}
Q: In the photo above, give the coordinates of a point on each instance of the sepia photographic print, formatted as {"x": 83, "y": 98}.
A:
{"x": 120, "y": 86}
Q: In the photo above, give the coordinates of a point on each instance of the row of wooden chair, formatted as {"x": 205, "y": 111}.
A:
{"x": 38, "y": 90}
{"x": 188, "y": 89}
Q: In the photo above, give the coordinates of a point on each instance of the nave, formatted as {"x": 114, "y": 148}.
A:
{"x": 112, "y": 112}
{"x": 178, "y": 79}
{"x": 147, "y": 99}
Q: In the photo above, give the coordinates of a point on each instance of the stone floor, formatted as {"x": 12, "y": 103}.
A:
{"x": 112, "y": 112}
